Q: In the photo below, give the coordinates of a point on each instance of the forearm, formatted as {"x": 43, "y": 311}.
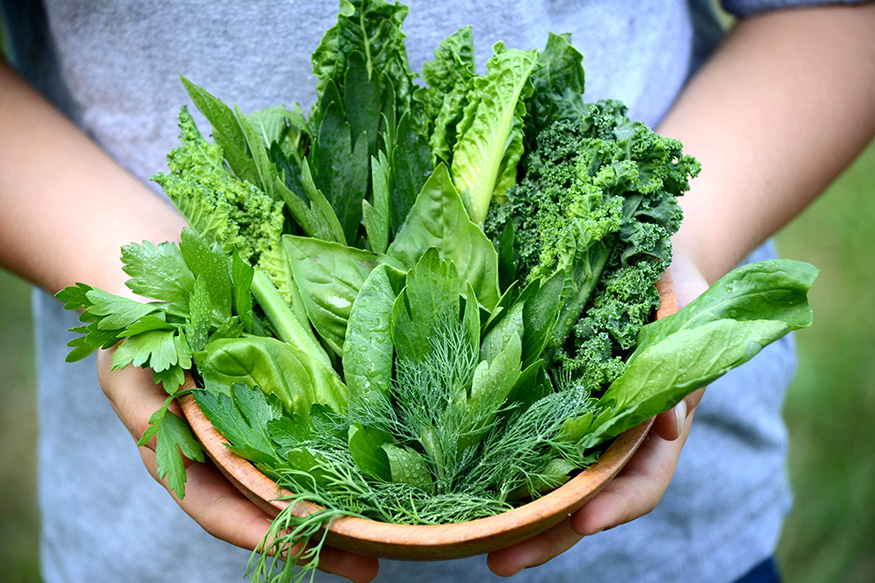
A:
{"x": 67, "y": 206}
{"x": 781, "y": 109}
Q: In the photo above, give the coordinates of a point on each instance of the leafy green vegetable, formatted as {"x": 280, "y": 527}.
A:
{"x": 489, "y": 141}
{"x": 597, "y": 206}
{"x": 723, "y": 328}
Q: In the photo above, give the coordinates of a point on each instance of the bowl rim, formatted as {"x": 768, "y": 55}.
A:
{"x": 431, "y": 541}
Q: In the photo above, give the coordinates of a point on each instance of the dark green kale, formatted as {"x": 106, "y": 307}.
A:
{"x": 597, "y": 205}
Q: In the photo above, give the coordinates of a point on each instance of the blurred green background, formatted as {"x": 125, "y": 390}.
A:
{"x": 830, "y": 535}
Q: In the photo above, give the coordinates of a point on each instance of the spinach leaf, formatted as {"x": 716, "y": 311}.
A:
{"x": 367, "y": 348}
{"x": 276, "y": 368}
{"x": 723, "y": 328}
{"x": 438, "y": 219}
{"x": 329, "y": 277}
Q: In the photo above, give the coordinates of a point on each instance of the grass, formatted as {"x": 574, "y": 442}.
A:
{"x": 19, "y": 517}
{"x": 830, "y": 410}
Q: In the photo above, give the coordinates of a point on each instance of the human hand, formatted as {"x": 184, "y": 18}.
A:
{"x": 639, "y": 486}
{"x": 210, "y": 499}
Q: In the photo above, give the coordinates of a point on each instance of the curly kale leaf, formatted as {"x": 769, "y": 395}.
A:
{"x": 597, "y": 204}
{"x": 223, "y": 209}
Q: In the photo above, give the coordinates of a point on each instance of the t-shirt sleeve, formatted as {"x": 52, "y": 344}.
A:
{"x": 743, "y": 8}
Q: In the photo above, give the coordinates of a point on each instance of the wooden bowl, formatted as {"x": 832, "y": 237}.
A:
{"x": 433, "y": 542}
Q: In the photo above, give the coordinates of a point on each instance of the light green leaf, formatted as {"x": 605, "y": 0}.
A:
{"x": 489, "y": 144}
{"x": 329, "y": 277}
{"x": 276, "y": 368}
{"x": 158, "y": 272}
{"x": 156, "y": 349}
{"x": 438, "y": 219}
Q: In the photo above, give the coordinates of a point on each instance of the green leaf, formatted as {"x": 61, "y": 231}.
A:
{"x": 200, "y": 316}
{"x": 171, "y": 378}
{"x": 242, "y": 418}
{"x": 156, "y": 349}
{"x": 276, "y": 368}
{"x": 371, "y": 28}
{"x": 774, "y": 289}
{"x": 116, "y": 312}
{"x": 490, "y": 136}
{"x": 424, "y": 306}
{"x": 265, "y": 170}
{"x": 367, "y": 347}
{"x": 493, "y": 381}
{"x": 366, "y": 449}
{"x": 411, "y": 165}
{"x": 726, "y": 326}
{"x": 269, "y": 123}
{"x": 241, "y": 279}
{"x": 289, "y": 431}
{"x": 175, "y": 440}
{"x": 557, "y": 86}
{"x": 158, "y": 273}
{"x": 329, "y": 277}
{"x": 75, "y": 297}
{"x": 211, "y": 265}
{"x": 363, "y": 100}
{"x": 438, "y": 219}
{"x": 408, "y": 466}
{"x": 449, "y": 76}
{"x": 339, "y": 165}
{"x": 226, "y": 131}
{"x": 92, "y": 339}
{"x": 376, "y": 217}
{"x": 156, "y": 321}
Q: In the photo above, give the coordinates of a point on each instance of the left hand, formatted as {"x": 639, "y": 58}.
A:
{"x": 640, "y": 484}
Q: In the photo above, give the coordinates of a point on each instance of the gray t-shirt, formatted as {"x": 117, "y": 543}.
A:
{"x": 113, "y": 66}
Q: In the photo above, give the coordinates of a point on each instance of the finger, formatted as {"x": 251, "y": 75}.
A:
{"x": 534, "y": 551}
{"x": 670, "y": 424}
{"x": 637, "y": 489}
{"x": 220, "y": 509}
{"x": 358, "y": 568}
{"x": 132, "y": 393}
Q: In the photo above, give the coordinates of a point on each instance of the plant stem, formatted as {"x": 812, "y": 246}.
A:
{"x": 288, "y": 328}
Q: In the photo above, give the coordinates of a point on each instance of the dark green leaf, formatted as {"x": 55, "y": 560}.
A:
{"x": 366, "y": 449}
{"x": 423, "y": 308}
{"x": 410, "y": 161}
{"x": 226, "y": 131}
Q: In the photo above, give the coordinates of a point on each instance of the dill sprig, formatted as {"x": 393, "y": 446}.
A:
{"x": 527, "y": 455}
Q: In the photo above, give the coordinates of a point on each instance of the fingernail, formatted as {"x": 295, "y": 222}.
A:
{"x": 681, "y": 411}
